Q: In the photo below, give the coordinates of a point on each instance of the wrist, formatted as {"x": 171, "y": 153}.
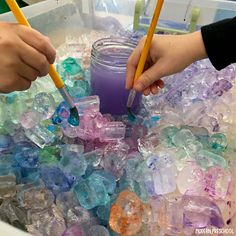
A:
{"x": 197, "y": 46}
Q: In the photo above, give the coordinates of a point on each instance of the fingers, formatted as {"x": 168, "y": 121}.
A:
{"x": 131, "y": 68}
{"x": 149, "y": 81}
{"x": 160, "y": 83}
{"x": 27, "y": 72}
{"x": 149, "y": 77}
{"x": 25, "y": 55}
{"x": 132, "y": 64}
{"x": 14, "y": 83}
{"x": 38, "y": 41}
{"x": 34, "y": 59}
{"x": 154, "y": 88}
{"x": 23, "y": 84}
{"x": 146, "y": 92}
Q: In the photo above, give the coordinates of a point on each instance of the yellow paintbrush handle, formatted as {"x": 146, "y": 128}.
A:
{"x": 23, "y": 21}
{"x": 12, "y": 4}
{"x": 148, "y": 42}
{"x": 56, "y": 77}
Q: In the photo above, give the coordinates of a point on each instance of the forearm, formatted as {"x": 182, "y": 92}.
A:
{"x": 220, "y": 42}
{"x": 196, "y": 46}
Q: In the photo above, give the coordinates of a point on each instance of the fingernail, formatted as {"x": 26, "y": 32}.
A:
{"x": 161, "y": 85}
{"x": 139, "y": 87}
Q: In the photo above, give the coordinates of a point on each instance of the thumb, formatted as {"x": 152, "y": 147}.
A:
{"x": 149, "y": 77}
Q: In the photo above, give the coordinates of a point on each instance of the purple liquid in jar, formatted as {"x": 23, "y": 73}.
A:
{"x": 108, "y": 74}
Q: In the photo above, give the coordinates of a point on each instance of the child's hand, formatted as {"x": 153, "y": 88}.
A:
{"x": 168, "y": 54}
{"x": 25, "y": 54}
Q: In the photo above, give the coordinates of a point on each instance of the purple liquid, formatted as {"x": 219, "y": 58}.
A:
{"x": 108, "y": 75}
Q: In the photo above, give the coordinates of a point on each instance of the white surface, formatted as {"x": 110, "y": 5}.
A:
{"x": 175, "y": 10}
{"x": 30, "y": 2}
{"x": 8, "y": 230}
{"x": 85, "y": 6}
{"x": 56, "y": 19}
{"x": 59, "y": 18}
{"x": 36, "y": 10}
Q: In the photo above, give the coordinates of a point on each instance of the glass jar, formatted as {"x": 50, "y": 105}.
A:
{"x": 108, "y": 74}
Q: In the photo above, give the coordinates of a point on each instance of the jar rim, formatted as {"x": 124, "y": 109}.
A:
{"x": 121, "y": 47}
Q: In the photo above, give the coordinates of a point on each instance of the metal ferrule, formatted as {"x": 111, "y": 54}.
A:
{"x": 131, "y": 98}
{"x": 66, "y": 97}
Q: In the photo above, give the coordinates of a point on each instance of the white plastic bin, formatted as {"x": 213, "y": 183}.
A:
{"x": 57, "y": 19}
{"x": 179, "y": 14}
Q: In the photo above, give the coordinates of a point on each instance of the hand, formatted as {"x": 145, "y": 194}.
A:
{"x": 168, "y": 54}
{"x": 25, "y": 54}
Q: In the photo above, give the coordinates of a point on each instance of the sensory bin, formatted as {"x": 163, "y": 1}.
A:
{"x": 168, "y": 172}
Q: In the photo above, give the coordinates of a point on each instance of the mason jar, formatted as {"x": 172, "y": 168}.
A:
{"x": 108, "y": 74}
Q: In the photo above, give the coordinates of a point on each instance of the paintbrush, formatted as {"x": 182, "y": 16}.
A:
{"x": 143, "y": 56}
{"x": 74, "y": 115}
